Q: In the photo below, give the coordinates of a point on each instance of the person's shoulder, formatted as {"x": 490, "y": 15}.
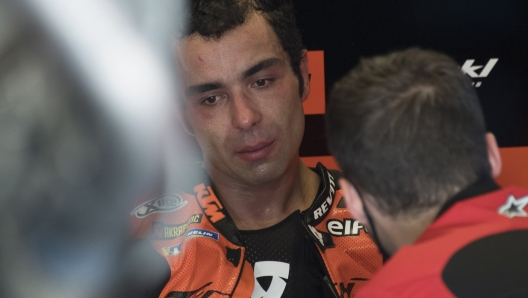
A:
{"x": 409, "y": 273}
{"x": 501, "y": 260}
{"x": 170, "y": 204}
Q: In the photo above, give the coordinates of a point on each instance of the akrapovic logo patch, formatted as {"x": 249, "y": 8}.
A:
{"x": 325, "y": 206}
{"x": 167, "y": 203}
{"x": 347, "y": 227}
{"x": 161, "y": 231}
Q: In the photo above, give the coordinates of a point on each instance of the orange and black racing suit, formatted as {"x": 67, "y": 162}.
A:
{"x": 205, "y": 251}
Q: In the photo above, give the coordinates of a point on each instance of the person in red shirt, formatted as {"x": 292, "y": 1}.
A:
{"x": 408, "y": 132}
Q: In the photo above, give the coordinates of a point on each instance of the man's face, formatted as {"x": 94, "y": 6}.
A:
{"x": 242, "y": 102}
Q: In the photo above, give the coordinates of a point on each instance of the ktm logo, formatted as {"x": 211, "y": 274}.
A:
{"x": 470, "y": 69}
{"x": 209, "y": 202}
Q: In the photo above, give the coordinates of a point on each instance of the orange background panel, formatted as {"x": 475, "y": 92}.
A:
{"x": 315, "y": 103}
{"x": 328, "y": 161}
{"x": 514, "y": 165}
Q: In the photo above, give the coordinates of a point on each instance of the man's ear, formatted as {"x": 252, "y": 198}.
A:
{"x": 494, "y": 157}
{"x": 305, "y": 74}
{"x": 182, "y": 120}
{"x": 353, "y": 201}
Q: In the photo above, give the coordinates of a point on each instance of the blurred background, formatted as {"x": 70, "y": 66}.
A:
{"x": 87, "y": 102}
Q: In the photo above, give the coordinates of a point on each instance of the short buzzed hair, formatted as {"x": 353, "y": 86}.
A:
{"x": 408, "y": 130}
{"x": 213, "y": 18}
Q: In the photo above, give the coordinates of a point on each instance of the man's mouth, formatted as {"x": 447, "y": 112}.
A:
{"x": 257, "y": 151}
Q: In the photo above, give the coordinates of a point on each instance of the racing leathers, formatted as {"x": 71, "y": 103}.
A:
{"x": 206, "y": 254}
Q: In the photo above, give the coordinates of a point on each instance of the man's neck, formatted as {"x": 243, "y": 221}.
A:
{"x": 394, "y": 233}
{"x": 264, "y": 205}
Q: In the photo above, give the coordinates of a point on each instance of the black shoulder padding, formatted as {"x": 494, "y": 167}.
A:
{"x": 494, "y": 266}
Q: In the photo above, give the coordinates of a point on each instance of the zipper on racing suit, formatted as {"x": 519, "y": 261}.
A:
{"x": 326, "y": 277}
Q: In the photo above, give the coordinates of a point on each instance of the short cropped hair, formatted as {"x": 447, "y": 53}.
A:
{"x": 408, "y": 130}
{"x": 213, "y": 18}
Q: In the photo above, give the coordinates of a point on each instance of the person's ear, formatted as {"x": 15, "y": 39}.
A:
{"x": 353, "y": 201}
{"x": 305, "y": 74}
{"x": 494, "y": 157}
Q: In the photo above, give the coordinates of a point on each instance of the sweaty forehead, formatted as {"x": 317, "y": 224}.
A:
{"x": 209, "y": 59}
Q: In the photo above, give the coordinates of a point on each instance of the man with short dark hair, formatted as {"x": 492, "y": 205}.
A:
{"x": 418, "y": 166}
{"x": 260, "y": 223}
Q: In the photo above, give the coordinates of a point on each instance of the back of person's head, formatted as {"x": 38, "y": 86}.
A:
{"x": 213, "y": 18}
{"x": 407, "y": 130}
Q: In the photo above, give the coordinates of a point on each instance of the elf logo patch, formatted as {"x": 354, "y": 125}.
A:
{"x": 347, "y": 227}
{"x": 279, "y": 272}
{"x": 167, "y": 203}
{"x": 470, "y": 70}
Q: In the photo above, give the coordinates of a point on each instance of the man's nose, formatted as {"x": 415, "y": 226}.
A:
{"x": 246, "y": 112}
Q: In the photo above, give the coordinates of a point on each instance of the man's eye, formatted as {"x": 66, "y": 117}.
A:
{"x": 209, "y": 100}
{"x": 263, "y": 82}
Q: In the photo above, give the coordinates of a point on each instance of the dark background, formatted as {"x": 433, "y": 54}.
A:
{"x": 347, "y": 30}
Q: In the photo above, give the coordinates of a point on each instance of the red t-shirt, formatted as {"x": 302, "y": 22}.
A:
{"x": 476, "y": 248}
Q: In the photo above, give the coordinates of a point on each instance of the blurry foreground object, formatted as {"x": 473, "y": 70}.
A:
{"x": 85, "y": 103}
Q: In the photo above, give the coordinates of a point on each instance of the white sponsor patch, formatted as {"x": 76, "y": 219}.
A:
{"x": 514, "y": 207}
{"x": 347, "y": 227}
{"x": 278, "y": 271}
{"x": 326, "y": 204}
{"x": 471, "y": 70}
{"x": 478, "y": 71}
{"x": 166, "y": 203}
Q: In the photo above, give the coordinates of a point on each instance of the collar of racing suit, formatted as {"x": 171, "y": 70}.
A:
{"x": 311, "y": 217}
{"x": 483, "y": 185}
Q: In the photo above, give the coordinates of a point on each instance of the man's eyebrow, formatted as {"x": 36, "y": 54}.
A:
{"x": 201, "y": 88}
{"x": 260, "y": 66}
